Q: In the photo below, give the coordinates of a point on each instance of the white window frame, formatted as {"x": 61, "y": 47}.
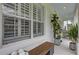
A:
{"x": 39, "y": 6}
{"x": 17, "y": 14}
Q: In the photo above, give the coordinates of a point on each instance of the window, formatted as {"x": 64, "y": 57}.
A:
{"x": 38, "y": 20}
{"x": 25, "y": 28}
{"x": 11, "y": 22}
{"x": 9, "y": 8}
{"x": 25, "y": 10}
{"x": 34, "y": 12}
{"x": 17, "y": 21}
{"x": 10, "y": 28}
{"x": 25, "y": 23}
{"x": 39, "y": 14}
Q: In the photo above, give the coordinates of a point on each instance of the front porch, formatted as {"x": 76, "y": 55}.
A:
{"x": 28, "y": 25}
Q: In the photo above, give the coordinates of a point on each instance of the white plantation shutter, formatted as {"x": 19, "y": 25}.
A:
{"x": 10, "y": 28}
{"x": 25, "y": 23}
{"x": 25, "y": 28}
{"x": 38, "y": 23}
{"x": 11, "y": 18}
{"x": 34, "y": 12}
{"x": 17, "y": 21}
{"x": 35, "y": 29}
{"x": 25, "y": 10}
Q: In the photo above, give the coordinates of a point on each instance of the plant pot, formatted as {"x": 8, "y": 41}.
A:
{"x": 72, "y": 45}
{"x": 57, "y": 42}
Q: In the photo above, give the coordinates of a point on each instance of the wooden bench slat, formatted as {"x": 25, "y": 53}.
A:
{"x": 41, "y": 49}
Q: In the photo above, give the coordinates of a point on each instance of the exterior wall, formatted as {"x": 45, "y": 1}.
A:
{"x": 28, "y": 44}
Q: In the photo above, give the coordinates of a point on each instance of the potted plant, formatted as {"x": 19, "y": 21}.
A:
{"x": 73, "y": 34}
{"x": 56, "y": 29}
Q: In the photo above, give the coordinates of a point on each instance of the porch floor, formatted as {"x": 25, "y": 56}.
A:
{"x": 63, "y": 49}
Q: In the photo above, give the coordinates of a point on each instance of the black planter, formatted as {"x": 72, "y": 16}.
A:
{"x": 72, "y": 46}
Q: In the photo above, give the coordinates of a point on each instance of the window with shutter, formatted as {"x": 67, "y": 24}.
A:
{"x": 10, "y": 22}
{"x": 38, "y": 22}
{"x": 10, "y": 28}
{"x": 17, "y": 21}
{"x": 25, "y": 28}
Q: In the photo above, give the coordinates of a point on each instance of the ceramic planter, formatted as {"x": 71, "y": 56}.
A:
{"x": 72, "y": 45}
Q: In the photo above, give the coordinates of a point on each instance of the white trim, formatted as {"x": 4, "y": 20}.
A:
{"x": 31, "y": 21}
{"x": 1, "y": 24}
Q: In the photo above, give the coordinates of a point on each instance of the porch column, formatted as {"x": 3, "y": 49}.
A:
{"x": 78, "y": 32}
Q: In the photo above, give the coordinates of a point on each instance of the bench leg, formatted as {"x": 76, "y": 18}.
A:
{"x": 51, "y": 51}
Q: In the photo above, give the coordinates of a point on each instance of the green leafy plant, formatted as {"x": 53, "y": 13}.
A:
{"x": 56, "y": 25}
{"x": 73, "y": 33}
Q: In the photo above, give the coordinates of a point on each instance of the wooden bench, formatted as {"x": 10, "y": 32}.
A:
{"x": 46, "y": 48}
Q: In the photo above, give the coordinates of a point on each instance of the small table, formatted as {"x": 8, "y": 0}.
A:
{"x": 47, "y": 48}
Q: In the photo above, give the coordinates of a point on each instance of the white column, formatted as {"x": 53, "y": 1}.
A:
{"x": 1, "y": 25}
{"x": 77, "y": 46}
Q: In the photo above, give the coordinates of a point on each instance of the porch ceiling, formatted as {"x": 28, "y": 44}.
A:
{"x": 64, "y": 10}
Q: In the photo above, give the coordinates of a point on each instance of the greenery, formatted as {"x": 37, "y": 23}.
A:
{"x": 56, "y": 25}
{"x": 73, "y": 33}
